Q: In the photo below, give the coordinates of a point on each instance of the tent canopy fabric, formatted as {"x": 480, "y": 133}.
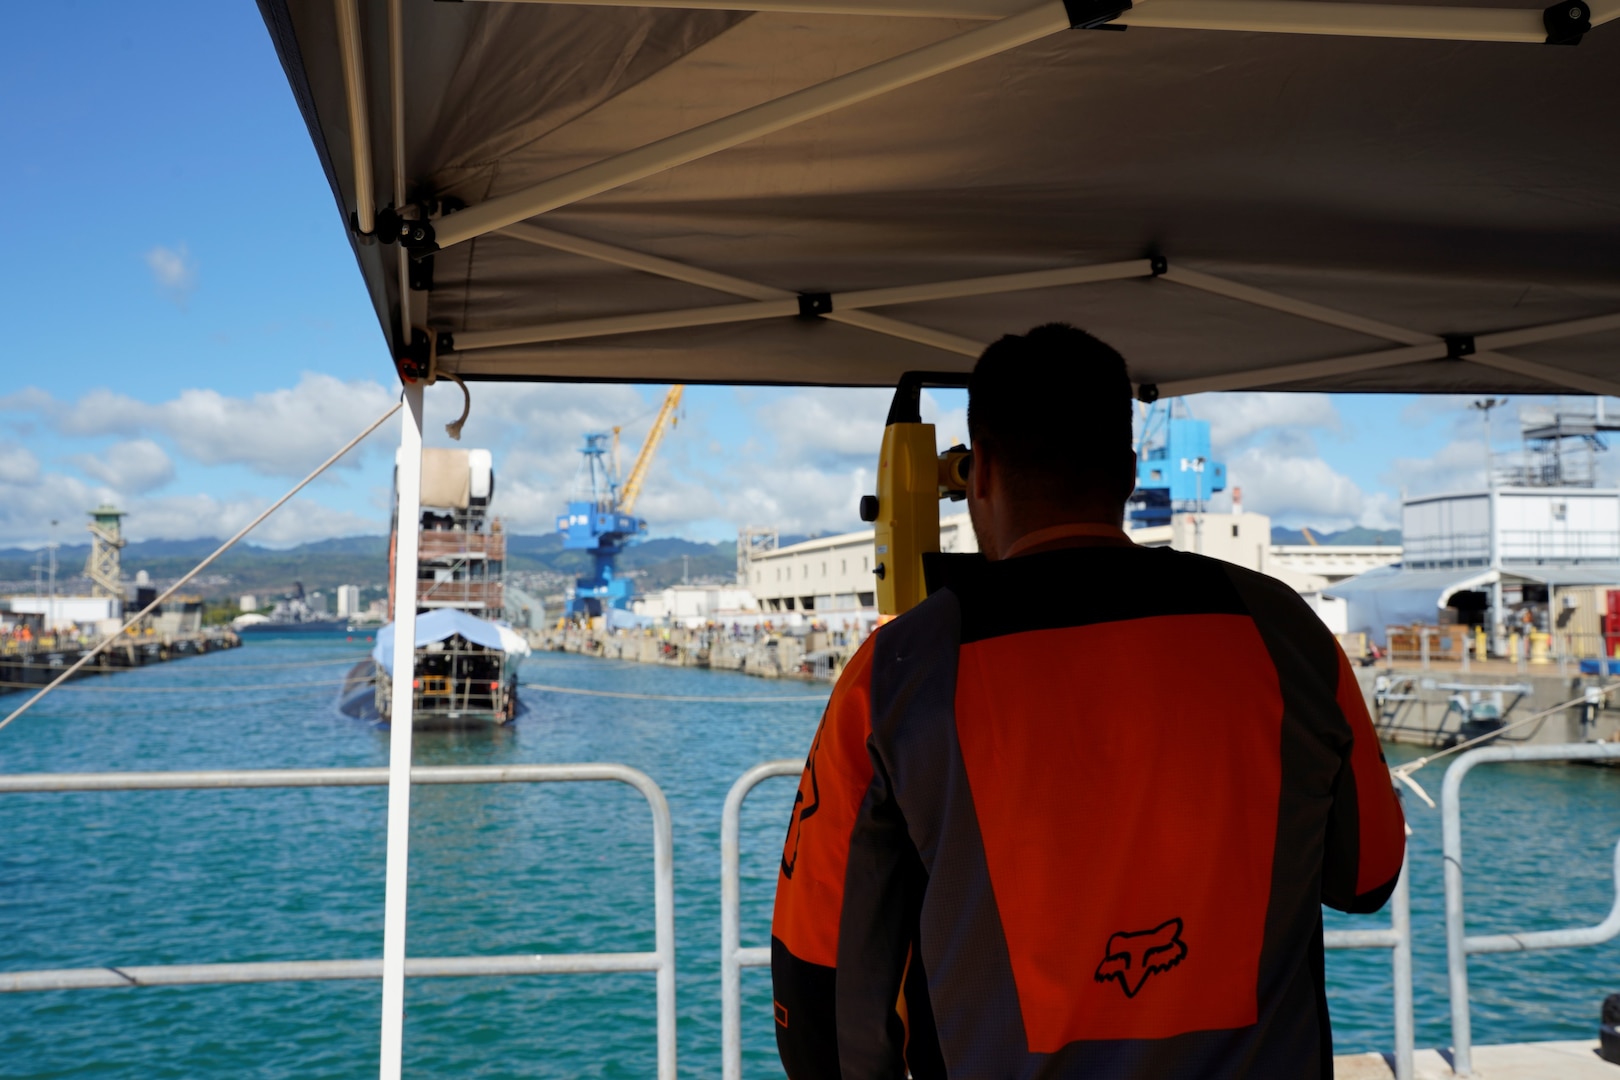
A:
{"x": 1237, "y": 194}
{"x": 442, "y": 624}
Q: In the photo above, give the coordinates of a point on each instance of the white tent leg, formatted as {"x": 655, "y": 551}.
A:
{"x": 862, "y": 85}
{"x": 399, "y": 739}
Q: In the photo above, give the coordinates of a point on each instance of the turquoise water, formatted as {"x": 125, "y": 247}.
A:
{"x": 169, "y": 877}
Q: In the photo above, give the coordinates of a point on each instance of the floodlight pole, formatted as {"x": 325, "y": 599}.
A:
{"x": 1485, "y": 405}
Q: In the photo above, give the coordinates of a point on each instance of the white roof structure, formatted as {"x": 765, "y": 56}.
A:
{"x": 1238, "y": 194}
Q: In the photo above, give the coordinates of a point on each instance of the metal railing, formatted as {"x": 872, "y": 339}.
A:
{"x": 1459, "y": 946}
{"x": 734, "y": 957}
{"x": 660, "y": 960}
{"x": 1397, "y": 939}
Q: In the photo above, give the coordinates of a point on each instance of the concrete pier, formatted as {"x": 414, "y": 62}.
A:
{"x": 817, "y": 655}
{"x": 24, "y": 666}
{"x": 1577, "y": 1060}
{"x": 1430, "y": 706}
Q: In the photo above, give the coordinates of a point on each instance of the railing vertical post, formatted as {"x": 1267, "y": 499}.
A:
{"x": 406, "y": 532}
{"x": 730, "y": 933}
{"x": 664, "y": 926}
{"x": 1456, "y": 951}
{"x": 1401, "y": 969}
{"x": 731, "y": 952}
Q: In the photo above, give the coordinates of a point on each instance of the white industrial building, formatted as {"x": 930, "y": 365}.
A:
{"x": 1505, "y": 558}
{"x": 832, "y": 574}
{"x": 830, "y": 577}
{"x": 696, "y": 605}
{"x": 348, "y": 601}
{"x": 63, "y": 612}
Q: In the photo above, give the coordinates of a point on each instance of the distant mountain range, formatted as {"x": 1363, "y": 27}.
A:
{"x": 356, "y": 560}
{"x": 1357, "y": 535}
{"x": 363, "y": 561}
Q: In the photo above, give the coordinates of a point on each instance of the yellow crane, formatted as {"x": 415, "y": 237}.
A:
{"x": 666, "y": 419}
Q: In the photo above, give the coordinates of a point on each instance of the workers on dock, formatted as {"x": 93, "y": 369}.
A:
{"x": 1075, "y": 815}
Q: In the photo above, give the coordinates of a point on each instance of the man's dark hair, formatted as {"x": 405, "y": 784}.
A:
{"x": 1054, "y": 405}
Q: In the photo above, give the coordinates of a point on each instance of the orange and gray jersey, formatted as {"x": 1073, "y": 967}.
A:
{"x": 1075, "y": 816}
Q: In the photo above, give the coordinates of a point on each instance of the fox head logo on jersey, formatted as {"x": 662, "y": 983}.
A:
{"x": 1132, "y": 956}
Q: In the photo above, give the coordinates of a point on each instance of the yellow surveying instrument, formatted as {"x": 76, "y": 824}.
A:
{"x": 912, "y": 476}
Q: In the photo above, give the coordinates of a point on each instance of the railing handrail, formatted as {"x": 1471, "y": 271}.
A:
{"x": 661, "y": 960}
{"x": 734, "y": 957}
{"x": 1458, "y": 945}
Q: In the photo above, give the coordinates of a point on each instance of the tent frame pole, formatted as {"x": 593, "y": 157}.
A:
{"x": 772, "y": 302}
{"x": 1311, "y": 17}
{"x": 396, "y": 107}
{"x": 863, "y": 84}
{"x": 407, "y": 533}
{"x": 725, "y": 283}
{"x": 352, "y": 55}
{"x": 792, "y": 304}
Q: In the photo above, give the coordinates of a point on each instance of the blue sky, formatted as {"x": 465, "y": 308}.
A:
{"x": 187, "y": 334}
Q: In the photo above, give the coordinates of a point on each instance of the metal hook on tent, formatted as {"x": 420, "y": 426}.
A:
{"x": 433, "y": 375}
{"x": 454, "y": 430}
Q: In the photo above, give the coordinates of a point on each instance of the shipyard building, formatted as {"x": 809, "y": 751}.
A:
{"x": 1532, "y": 554}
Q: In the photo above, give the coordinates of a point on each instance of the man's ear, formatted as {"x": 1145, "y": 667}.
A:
{"x": 1127, "y": 474}
{"x": 979, "y": 476}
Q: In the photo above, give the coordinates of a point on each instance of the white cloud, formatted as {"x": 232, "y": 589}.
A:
{"x": 1293, "y": 485}
{"x": 280, "y": 433}
{"x": 198, "y": 516}
{"x": 132, "y": 467}
{"x": 1235, "y": 418}
{"x": 18, "y": 465}
{"x": 174, "y": 270}
{"x": 277, "y": 433}
{"x": 1459, "y": 465}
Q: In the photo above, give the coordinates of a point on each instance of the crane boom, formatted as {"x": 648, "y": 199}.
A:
{"x": 638, "y": 471}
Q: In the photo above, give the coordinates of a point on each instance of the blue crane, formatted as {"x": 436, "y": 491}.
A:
{"x": 1174, "y": 467}
{"x": 600, "y": 516}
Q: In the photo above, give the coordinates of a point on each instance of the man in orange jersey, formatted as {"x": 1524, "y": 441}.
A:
{"x": 1076, "y": 814}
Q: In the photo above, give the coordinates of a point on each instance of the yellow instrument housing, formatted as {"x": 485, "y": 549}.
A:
{"x": 907, "y": 525}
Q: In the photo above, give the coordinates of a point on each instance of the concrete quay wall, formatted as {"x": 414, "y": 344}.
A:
{"x": 813, "y": 657}
{"x": 1424, "y": 706}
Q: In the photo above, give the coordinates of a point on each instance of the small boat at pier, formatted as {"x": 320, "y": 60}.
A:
{"x": 466, "y": 656}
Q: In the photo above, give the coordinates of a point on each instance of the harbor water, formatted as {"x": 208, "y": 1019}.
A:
{"x": 200, "y": 876}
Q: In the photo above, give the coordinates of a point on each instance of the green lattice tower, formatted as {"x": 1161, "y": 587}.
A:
{"x": 107, "y": 539}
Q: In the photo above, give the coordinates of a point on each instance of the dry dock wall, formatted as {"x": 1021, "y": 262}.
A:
{"x": 1424, "y": 706}
{"x": 1409, "y": 704}
{"x": 816, "y": 656}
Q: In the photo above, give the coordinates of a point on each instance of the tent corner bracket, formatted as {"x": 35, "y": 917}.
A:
{"x": 1458, "y": 346}
{"x": 1095, "y": 14}
{"x": 1567, "y": 22}
{"x": 1158, "y": 265}
{"x": 815, "y": 305}
{"x": 415, "y": 234}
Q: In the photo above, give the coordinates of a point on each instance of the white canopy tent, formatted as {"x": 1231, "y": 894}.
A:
{"x": 1238, "y": 194}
